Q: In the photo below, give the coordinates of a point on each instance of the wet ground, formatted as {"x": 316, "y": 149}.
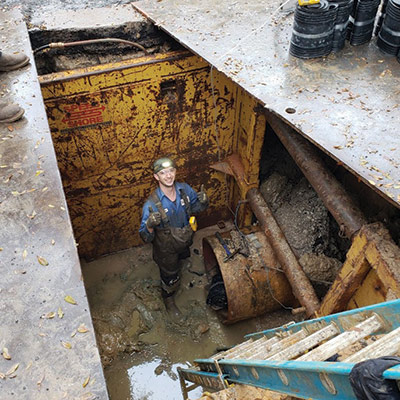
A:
{"x": 124, "y": 294}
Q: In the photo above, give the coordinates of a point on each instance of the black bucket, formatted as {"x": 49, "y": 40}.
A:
{"x": 381, "y": 17}
{"x": 389, "y": 35}
{"x": 313, "y": 30}
{"x": 342, "y": 20}
{"x": 362, "y": 21}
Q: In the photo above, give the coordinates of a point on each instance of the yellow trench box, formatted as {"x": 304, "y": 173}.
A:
{"x": 110, "y": 122}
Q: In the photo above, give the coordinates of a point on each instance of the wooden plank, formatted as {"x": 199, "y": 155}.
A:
{"x": 266, "y": 352}
{"x": 306, "y": 344}
{"x": 345, "y": 339}
{"x": 388, "y": 345}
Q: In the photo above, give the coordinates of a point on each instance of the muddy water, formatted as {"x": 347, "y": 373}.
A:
{"x": 141, "y": 360}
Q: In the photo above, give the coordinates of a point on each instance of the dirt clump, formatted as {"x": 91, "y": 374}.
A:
{"x": 299, "y": 212}
{"x": 320, "y": 270}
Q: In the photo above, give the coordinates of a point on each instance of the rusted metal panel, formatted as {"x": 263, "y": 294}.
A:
{"x": 370, "y": 272}
{"x": 254, "y": 285}
{"x": 346, "y": 103}
{"x": 110, "y": 122}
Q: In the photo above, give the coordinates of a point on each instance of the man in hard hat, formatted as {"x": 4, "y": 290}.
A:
{"x": 165, "y": 223}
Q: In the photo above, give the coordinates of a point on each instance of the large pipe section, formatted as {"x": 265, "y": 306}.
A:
{"x": 336, "y": 200}
{"x": 301, "y": 286}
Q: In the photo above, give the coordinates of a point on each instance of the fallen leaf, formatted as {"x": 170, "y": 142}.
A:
{"x": 338, "y": 147}
{"x": 38, "y": 172}
{"x": 33, "y": 215}
{"x": 42, "y": 261}
{"x": 60, "y": 313}
{"x": 51, "y": 206}
{"x": 86, "y": 381}
{"x": 40, "y": 381}
{"x": 6, "y": 354}
{"x": 10, "y": 128}
{"x": 20, "y": 272}
{"x": 87, "y": 396}
{"x": 12, "y": 369}
{"x": 53, "y": 242}
{"x": 24, "y": 254}
{"x": 67, "y": 345}
{"x": 2, "y": 376}
{"x": 372, "y": 183}
{"x": 49, "y": 315}
{"x": 73, "y": 333}
{"x": 69, "y": 300}
{"x": 82, "y": 328}
{"x": 44, "y": 189}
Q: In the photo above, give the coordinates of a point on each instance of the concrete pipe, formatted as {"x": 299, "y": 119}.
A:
{"x": 254, "y": 285}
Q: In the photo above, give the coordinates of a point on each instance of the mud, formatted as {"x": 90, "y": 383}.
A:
{"x": 299, "y": 212}
{"x": 31, "y": 7}
{"x": 140, "y": 345}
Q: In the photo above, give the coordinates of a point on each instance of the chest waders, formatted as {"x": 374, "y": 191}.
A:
{"x": 171, "y": 244}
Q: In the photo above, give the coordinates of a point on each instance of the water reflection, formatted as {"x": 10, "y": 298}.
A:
{"x": 146, "y": 385}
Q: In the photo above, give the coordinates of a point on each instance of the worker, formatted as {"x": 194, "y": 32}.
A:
{"x": 8, "y": 62}
{"x": 165, "y": 223}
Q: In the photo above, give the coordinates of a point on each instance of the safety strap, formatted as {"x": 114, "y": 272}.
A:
{"x": 156, "y": 200}
{"x": 186, "y": 202}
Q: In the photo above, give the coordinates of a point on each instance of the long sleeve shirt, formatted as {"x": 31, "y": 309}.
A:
{"x": 175, "y": 210}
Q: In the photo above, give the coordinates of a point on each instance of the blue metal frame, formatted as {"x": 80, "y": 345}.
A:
{"x": 306, "y": 379}
{"x": 389, "y": 311}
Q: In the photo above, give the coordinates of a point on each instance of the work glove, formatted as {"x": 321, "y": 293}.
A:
{"x": 154, "y": 219}
{"x": 202, "y": 196}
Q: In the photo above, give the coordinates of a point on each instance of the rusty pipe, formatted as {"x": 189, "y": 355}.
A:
{"x": 331, "y": 192}
{"x": 301, "y": 286}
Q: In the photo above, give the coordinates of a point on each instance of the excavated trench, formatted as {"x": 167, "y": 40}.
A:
{"x": 140, "y": 345}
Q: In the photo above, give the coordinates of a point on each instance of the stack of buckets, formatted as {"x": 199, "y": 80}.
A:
{"x": 321, "y": 28}
{"x": 389, "y": 34}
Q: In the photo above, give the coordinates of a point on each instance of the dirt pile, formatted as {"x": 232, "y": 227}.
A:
{"x": 306, "y": 224}
{"x": 299, "y": 212}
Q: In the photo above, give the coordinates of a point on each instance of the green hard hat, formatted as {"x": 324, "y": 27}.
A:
{"x": 162, "y": 163}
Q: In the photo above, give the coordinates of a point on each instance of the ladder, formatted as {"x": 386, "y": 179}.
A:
{"x": 292, "y": 359}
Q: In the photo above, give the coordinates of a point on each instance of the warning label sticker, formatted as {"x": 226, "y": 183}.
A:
{"x": 84, "y": 114}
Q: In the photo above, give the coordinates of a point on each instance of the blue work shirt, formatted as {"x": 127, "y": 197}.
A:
{"x": 175, "y": 210}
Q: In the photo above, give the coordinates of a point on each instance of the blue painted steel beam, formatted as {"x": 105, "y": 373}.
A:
{"x": 305, "y": 379}
{"x": 202, "y": 378}
{"x": 389, "y": 311}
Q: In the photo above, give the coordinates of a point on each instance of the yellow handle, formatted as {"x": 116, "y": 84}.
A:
{"x": 193, "y": 223}
{"x": 307, "y": 2}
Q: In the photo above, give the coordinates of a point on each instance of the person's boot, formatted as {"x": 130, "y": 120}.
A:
{"x": 171, "y": 307}
{"x": 10, "y": 112}
{"x": 10, "y": 62}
